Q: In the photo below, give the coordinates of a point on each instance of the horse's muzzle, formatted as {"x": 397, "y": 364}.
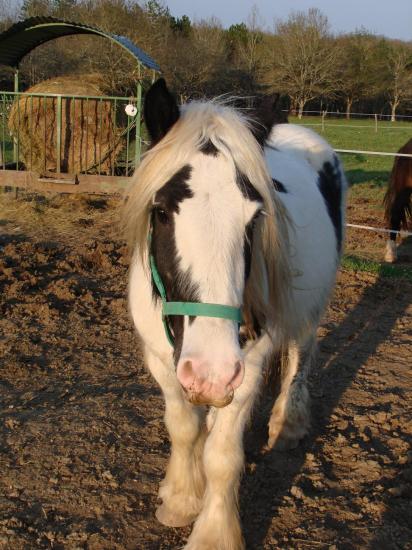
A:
{"x": 206, "y": 384}
{"x": 199, "y": 399}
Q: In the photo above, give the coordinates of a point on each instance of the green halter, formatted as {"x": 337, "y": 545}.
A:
{"x": 187, "y": 308}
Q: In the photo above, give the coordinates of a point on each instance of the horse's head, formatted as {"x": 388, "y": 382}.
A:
{"x": 205, "y": 183}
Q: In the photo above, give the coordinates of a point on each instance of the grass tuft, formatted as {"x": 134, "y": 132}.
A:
{"x": 353, "y": 263}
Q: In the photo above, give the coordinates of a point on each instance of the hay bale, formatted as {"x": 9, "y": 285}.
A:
{"x": 89, "y": 136}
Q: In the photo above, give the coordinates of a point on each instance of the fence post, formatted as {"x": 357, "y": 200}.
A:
{"x": 59, "y": 133}
{"x": 16, "y": 138}
{"x": 138, "y": 143}
{"x": 376, "y": 122}
{"x": 323, "y": 120}
{"x": 3, "y": 137}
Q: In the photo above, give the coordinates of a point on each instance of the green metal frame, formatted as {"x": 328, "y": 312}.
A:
{"x": 127, "y": 128}
{"x": 22, "y": 37}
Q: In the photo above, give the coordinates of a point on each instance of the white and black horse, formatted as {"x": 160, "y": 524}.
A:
{"x": 237, "y": 229}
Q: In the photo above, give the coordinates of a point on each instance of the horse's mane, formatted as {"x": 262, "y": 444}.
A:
{"x": 229, "y": 131}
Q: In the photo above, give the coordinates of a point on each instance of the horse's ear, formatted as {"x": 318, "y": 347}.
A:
{"x": 267, "y": 112}
{"x": 160, "y": 110}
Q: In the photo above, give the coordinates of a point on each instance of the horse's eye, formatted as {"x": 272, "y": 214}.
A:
{"x": 162, "y": 215}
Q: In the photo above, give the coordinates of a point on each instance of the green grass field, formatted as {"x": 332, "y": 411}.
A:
{"x": 360, "y": 134}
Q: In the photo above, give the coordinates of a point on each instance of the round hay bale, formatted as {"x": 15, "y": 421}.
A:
{"x": 90, "y": 140}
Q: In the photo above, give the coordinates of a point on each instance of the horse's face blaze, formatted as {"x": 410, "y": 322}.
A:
{"x": 203, "y": 220}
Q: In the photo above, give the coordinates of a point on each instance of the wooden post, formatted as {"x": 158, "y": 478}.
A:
{"x": 138, "y": 150}
{"x": 16, "y": 138}
{"x": 3, "y": 137}
{"x": 59, "y": 134}
{"x": 138, "y": 136}
{"x": 323, "y": 120}
{"x": 376, "y": 122}
{"x": 16, "y": 80}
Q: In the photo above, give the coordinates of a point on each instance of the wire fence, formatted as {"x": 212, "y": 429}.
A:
{"x": 373, "y": 248}
{"x": 380, "y": 230}
{"x": 378, "y": 153}
{"x": 343, "y": 114}
{"x": 381, "y": 121}
{"x": 358, "y": 127}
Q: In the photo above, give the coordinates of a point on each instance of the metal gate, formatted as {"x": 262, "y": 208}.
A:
{"x": 61, "y": 133}
{"x": 63, "y": 138}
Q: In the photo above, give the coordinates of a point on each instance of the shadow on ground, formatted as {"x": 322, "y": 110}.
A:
{"x": 343, "y": 354}
{"x": 378, "y": 177}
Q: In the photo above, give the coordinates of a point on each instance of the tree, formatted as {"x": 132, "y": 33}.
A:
{"x": 236, "y": 37}
{"x": 397, "y": 73}
{"x": 305, "y": 60}
{"x": 181, "y": 25}
{"x": 356, "y": 67}
{"x": 245, "y": 49}
{"x": 157, "y": 10}
{"x": 192, "y": 61}
{"x": 33, "y": 8}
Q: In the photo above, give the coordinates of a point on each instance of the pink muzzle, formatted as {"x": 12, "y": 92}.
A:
{"x": 207, "y": 384}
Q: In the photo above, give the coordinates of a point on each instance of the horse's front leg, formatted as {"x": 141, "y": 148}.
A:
{"x": 290, "y": 418}
{"x": 182, "y": 489}
{"x": 218, "y": 525}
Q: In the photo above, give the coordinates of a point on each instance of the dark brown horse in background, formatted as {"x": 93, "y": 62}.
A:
{"x": 397, "y": 201}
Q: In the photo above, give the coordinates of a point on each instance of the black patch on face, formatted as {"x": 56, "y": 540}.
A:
{"x": 246, "y": 188}
{"x": 250, "y": 329}
{"x": 208, "y": 148}
{"x": 248, "y": 242}
{"x": 247, "y": 249}
{"x": 330, "y": 185}
{"x": 178, "y": 284}
{"x": 175, "y": 191}
{"x": 279, "y": 186}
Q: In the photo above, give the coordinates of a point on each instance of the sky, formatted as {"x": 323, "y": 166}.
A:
{"x": 392, "y": 18}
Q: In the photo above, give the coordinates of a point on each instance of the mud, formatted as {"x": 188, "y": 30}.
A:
{"x": 82, "y": 442}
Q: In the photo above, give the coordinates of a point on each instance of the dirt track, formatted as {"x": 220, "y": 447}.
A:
{"x": 82, "y": 443}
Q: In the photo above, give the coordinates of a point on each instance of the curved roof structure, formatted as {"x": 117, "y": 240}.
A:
{"x": 24, "y": 36}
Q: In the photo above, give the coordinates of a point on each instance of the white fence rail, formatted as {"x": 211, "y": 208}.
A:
{"x": 351, "y": 114}
{"x": 382, "y": 153}
{"x": 369, "y": 227}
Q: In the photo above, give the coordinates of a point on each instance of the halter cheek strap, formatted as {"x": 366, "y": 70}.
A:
{"x": 195, "y": 309}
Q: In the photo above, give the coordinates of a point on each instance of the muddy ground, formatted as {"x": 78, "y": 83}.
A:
{"x": 82, "y": 443}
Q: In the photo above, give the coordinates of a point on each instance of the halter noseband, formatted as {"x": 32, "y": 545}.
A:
{"x": 197, "y": 309}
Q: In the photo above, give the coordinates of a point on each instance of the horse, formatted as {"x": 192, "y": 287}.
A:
{"x": 397, "y": 200}
{"x": 237, "y": 226}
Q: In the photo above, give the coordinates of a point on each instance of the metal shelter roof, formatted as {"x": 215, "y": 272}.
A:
{"x": 22, "y": 37}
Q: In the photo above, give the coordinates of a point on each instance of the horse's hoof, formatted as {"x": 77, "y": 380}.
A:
{"x": 282, "y": 444}
{"x": 172, "y": 519}
{"x": 390, "y": 252}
